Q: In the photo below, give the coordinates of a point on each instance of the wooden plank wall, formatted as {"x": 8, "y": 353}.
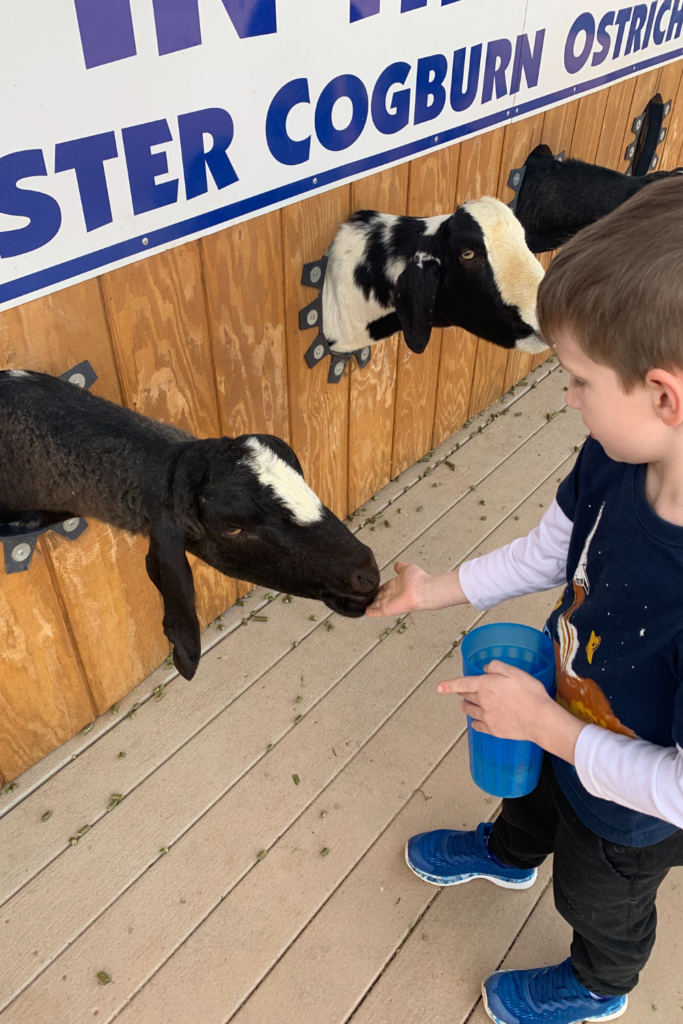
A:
{"x": 206, "y": 336}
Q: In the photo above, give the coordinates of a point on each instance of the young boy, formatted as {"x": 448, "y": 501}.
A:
{"x": 609, "y": 803}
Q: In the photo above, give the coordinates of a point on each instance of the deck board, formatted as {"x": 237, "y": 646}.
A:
{"x": 210, "y": 933}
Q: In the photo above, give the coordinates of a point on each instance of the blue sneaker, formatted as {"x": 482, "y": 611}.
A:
{"x": 444, "y": 857}
{"x": 549, "y": 995}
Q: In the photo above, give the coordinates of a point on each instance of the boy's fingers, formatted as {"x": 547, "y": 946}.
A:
{"x": 468, "y": 684}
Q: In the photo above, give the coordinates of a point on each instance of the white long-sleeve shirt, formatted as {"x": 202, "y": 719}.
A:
{"x": 631, "y": 772}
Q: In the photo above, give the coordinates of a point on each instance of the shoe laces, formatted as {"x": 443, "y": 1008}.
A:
{"x": 553, "y": 987}
{"x": 466, "y": 844}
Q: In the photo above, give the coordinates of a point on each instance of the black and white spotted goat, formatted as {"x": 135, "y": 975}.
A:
{"x": 556, "y": 199}
{"x": 241, "y": 504}
{"x": 470, "y": 269}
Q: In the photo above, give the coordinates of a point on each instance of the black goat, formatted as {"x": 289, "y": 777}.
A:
{"x": 468, "y": 269}
{"x": 556, "y": 199}
{"x": 240, "y": 504}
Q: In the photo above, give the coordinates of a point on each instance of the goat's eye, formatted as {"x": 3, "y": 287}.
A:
{"x": 232, "y": 532}
{"x": 468, "y": 254}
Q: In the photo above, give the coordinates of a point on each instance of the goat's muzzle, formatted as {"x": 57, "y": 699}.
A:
{"x": 362, "y": 589}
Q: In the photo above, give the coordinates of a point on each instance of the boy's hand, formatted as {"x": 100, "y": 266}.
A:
{"x": 402, "y": 594}
{"x": 414, "y": 590}
{"x": 511, "y": 704}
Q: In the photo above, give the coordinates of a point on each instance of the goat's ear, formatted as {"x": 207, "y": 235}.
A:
{"x": 415, "y": 296}
{"x": 541, "y": 150}
{"x": 170, "y": 572}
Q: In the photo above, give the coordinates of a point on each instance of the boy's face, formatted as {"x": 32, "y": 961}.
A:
{"x": 626, "y": 425}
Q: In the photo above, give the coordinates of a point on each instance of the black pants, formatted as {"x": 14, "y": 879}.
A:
{"x": 606, "y": 892}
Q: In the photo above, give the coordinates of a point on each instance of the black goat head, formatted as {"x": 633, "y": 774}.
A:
{"x": 558, "y": 198}
{"x": 243, "y": 507}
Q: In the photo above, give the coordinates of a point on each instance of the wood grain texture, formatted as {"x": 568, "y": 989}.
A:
{"x": 244, "y": 285}
{"x": 588, "y": 126}
{"x": 56, "y": 332}
{"x": 161, "y": 335}
{"x": 671, "y": 88}
{"x": 44, "y": 697}
{"x": 558, "y": 126}
{"x": 318, "y": 411}
{"x": 114, "y": 610}
{"x": 616, "y": 126}
{"x": 159, "y": 327}
{"x": 456, "y": 367}
{"x": 372, "y": 390}
{"x": 431, "y": 192}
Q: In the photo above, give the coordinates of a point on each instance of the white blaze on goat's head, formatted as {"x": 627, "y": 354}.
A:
{"x": 516, "y": 270}
{"x": 18, "y": 373}
{"x": 288, "y": 486}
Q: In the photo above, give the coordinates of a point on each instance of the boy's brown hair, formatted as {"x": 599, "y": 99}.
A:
{"x": 618, "y": 286}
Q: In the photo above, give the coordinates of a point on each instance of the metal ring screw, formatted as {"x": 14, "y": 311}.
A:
{"x": 515, "y": 180}
{"x": 662, "y": 135}
{"x": 318, "y": 351}
{"x": 638, "y": 125}
{"x": 316, "y": 274}
{"x": 365, "y": 352}
{"x": 78, "y": 379}
{"x": 312, "y": 317}
{"x": 339, "y": 368}
{"x": 145, "y": 241}
{"x": 631, "y": 151}
{"x": 70, "y": 525}
{"x": 667, "y": 108}
{"x": 21, "y": 552}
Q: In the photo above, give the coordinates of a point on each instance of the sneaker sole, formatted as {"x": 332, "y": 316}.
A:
{"x": 584, "y": 1020}
{"x": 503, "y": 883}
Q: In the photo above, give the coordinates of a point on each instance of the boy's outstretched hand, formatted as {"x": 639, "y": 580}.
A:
{"x": 511, "y": 704}
{"x": 414, "y": 590}
{"x": 402, "y": 594}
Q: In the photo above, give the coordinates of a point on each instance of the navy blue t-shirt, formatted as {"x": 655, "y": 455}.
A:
{"x": 618, "y": 628}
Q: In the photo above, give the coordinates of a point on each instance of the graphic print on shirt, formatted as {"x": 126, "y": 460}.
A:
{"x": 581, "y": 696}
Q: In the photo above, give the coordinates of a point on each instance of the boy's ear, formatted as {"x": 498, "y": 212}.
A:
{"x": 668, "y": 385}
{"x": 170, "y": 572}
{"x": 415, "y": 297}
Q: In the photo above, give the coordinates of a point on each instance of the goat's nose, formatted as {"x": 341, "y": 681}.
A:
{"x": 364, "y": 581}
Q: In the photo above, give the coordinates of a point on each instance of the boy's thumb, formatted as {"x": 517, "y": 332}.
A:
{"x": 400, "y": 566}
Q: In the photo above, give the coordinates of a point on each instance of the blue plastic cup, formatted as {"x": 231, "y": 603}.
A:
{"x": 507, "y": 768}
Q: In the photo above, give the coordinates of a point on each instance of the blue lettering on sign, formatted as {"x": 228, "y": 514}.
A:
{"x": 363, "y": 9}
{"x": 336, "y": 139}
{"x": 106, "y": 28}
{"x": 430, "y": 95}
{"x": 623, "y": 18}
{"x": 285, "y": 149}
{"x": 462, "y": 98}
{"x": 144, "y": 167}
{"x": 42, "y": 210}
{"x": 385, "y": 120}
{"x": 217, "y": 123}
{"x": 632, "y": 29}
{"x": 107, "y": 34}
{"x": 638, "y": 22}
{"x": 603, "y": 39}
{"x": 86, "y": 157}
{"x": 676, "y": 20}
{"x": 527, "y": 61}
{"x": 498, "y": 56}
{"x": 658, "y": 33}
{"x": 573, "y": 61}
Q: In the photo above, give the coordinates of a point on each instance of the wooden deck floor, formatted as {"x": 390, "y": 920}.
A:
{"x": 205, "y": 894}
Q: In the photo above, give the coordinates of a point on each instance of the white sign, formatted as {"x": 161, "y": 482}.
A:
{"x": 128, "y": 126}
